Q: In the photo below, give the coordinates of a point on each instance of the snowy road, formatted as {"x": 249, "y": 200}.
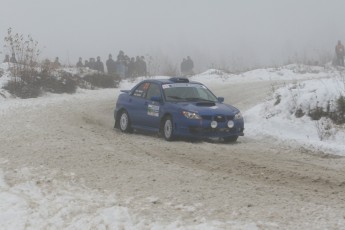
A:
{"x": 66, "y": 150}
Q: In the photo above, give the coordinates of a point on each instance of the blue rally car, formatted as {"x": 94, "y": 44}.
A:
{"x": 177, "y": 107}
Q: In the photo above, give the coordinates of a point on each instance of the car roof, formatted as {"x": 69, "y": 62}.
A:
{"x": 171, "y": 81}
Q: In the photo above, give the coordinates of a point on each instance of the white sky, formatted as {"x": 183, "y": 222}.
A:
{"x": 210, "y": 31}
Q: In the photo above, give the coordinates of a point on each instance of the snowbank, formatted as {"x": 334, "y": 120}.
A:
{"x": 285, "y": 73}
{"x": 277, "y": 116}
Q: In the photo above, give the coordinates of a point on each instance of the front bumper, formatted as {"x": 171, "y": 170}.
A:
{"x": 202, "y": 128}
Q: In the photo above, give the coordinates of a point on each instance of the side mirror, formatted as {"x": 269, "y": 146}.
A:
{"x": 220, "y": 99}
{"x": 156, "y": 98}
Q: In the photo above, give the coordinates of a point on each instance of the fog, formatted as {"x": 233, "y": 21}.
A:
{"x": 222, "y": 33}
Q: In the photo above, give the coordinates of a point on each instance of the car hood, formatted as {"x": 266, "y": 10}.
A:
{"x": 208, "y": 108}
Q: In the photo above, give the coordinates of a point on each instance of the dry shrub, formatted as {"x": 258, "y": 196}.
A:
{"x": 22, "y": 89}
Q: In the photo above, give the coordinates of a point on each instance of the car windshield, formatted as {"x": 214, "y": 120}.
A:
{"x": 187, "y": 92}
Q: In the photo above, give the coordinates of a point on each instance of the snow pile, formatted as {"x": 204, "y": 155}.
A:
{"x": 309, "y": 95}
{"x": 285, "y": 117}
{"x": 285, "y": 73}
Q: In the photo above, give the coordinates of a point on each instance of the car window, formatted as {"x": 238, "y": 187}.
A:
{"x": 204, "y": 94}
{"x": 188, "y": 92}
{"x": 154, "y": 90}
{"x": 141, "y": 90}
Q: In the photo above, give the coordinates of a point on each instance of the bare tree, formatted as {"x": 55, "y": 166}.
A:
{"x": 26, "y": 51}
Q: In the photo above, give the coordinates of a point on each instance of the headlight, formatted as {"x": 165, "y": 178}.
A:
{"x": 191, "y": 115}
{"x": 238, "y": 116}
{"x": 214, "y": 124}
{"x": 231, "y": 124}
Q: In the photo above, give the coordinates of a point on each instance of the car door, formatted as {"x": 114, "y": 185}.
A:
{"x": 137, "y": 106}
{"x": 152, "y": 117}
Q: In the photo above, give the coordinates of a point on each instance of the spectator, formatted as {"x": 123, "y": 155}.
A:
{"x": 120, "y": 67}
{"x": 110, "y": 63}
{"x": 13, "y": 58}
{"x": 183, "y": 67}
{"x": 99, "y": 65}
{"x": 189, "y": 66}
{"x": 7, "y": 58}
{"x": 340, "y": 52}
{"x": 92, "y": 63}
{"x": 80, "y": 63}
{"x": 87, "y": 64}
{"x": 121, "y": 56}
{"x": 56, "y": 63}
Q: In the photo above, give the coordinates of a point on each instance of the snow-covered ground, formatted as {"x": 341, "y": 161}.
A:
{"x": 47, "y": 203}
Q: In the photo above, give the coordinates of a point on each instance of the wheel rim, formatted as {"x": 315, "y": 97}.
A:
{"x": 168, "y": 128}
{"x": 123, "y": 121}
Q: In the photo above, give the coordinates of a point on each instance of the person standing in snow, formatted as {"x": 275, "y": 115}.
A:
{"x": 110, "y": 63}
{"x": 189, "y": 66}
{"x": 121, "y": 56}
{"x": 56, "y": 63}
{"x": 99, "y": 65}
{"x": 183, "y": 67}
{"x": 13, "y": 58}
{"x": 80, "y": 63}
{"x": 340, "y": 52}
{"x": 120, "y": 67}
{"x": 92, "y": 63}
{"x": 7, "y": 58}
{"x": 86, "y": 64}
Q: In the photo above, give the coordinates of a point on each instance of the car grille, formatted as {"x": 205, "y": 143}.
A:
{"x": 218, "y": 118}
{"x": 206, "y": 117}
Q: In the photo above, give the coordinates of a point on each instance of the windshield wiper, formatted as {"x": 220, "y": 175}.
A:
{"x": 197, "y": 99}
{"x": 175, "y": 97}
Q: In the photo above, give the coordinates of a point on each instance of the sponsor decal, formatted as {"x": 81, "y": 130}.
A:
{"x": 153, "y": 110}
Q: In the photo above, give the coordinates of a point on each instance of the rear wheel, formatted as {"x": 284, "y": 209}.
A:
{"x": 124, "y": 122}
{"x": 230, "y": 139}
{"x": 168, "y": 128}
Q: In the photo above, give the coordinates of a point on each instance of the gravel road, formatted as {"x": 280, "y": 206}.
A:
{"x": 261, "y": 181}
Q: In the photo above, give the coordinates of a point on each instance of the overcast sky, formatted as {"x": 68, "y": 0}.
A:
{"x": 210, "y": 31}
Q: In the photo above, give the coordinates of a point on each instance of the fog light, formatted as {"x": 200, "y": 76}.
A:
{"x": 214, "y": 124}
{"x": 230, "y": 124}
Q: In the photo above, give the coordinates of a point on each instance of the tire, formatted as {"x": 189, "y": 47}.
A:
{"x": 124, "y": 122}
{"x": 168, "y": 129}
{"x": 230, "y": 139}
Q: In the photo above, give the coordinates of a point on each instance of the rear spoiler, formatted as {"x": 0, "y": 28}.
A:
{"x": 125, "y": 91}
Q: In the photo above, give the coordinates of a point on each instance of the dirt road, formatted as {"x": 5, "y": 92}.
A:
{"x": 252, "y": 181}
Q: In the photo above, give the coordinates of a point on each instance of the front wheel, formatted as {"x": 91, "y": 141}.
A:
{"x": 168, "y": 128}
{"x": 230, "y": 139}
{"x": 124, "y": 122}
